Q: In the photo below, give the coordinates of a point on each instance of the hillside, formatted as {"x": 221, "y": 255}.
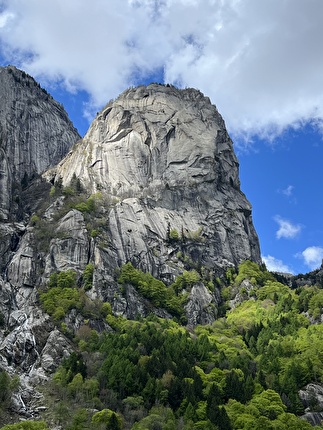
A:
{"x": 132, "y": 293}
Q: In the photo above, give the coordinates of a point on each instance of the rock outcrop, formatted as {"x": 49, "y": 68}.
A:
{"x": 312, "y": 399}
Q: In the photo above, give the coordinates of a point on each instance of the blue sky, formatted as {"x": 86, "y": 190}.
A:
{"x": 259, "y": 61}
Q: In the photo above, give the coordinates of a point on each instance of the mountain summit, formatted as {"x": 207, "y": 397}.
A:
{"x": 165, "y": 156}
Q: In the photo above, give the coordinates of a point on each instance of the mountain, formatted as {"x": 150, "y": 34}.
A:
{"x": 121, "y": 255}
{"x": 154, "y": 182}
{"x": 164, "y": 156}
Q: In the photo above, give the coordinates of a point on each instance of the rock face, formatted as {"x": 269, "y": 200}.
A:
{"x": 35, "y": 133}
{"x": 154, "y": 182}
{"x": 165, "y": 156}
{"x": 312, "y": 399}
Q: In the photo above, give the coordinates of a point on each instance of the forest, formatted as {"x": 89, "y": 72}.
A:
{"x": 242, "y": 372}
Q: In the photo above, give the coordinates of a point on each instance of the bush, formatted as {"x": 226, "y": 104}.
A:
{"x": 173, "y": 234}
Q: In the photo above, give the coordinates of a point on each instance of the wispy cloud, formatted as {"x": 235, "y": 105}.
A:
{"x": 288, "y": 191}
{"x": 312, "y": 256}
{"x": 275, "y": 265}
{"x": 287, "y": 229}
{"x": 233, "y": 51}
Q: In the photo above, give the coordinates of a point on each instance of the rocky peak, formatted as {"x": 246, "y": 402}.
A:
{"x": 154, "y": 139}
{"x": 164, "y": 154}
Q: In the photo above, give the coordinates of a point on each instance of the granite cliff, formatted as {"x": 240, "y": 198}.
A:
{"x": 35, "y": 133}
{"x": 164, "y": 156}
{"x": 154, "y": 182}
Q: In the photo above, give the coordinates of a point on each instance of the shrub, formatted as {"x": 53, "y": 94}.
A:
{"x": 173, "y": 234}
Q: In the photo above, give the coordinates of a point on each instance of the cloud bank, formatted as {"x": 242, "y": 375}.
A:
{"x": 259, "y": 62}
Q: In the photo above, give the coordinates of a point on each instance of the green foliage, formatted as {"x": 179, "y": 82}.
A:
{"x": 62, "y": 295}
{"x": 26, "y": 425}
{"x": 7, "y": 386}
{"x": 109, "y": 418}
{"x": 2, "y": 320}
{"x": 173, "y": 235}
{"x": 272, "y": 290}
{"x": 155, "y": 290}
{"x": 5, "y": 389}
{"x": 186, "y": 280}
{"x": 159, "y": 417}
{"x": 34, "y": 220}
{"x": 43, "y": 232}
{"x": 315, "y": 304}
{"x": 58, "y": 301}
{"x": 250, "y": 270}
{"x": 64, "y": 279}
{"x": 88, "y": 276}
{"x": 52, "y": 191}
{"x": 89, "y": 205}
{"x": 264, "y": 411}
{"x": 242, "y": 372}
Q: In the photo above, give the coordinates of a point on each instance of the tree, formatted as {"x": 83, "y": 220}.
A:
{"x": 114, "y": 423}
{"x": 108, "y": 417}
{"x": 4, "y": 387}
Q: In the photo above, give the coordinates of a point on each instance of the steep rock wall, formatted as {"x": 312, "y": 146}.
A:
{"x": 164, "y": 154}
{"x": 35, "y": 134}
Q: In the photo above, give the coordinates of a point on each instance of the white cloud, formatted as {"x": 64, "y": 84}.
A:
{"x": 275, "y": 265}
{"x": 288, "y": 191}
{"x": 260, "y": 62}
{"x": 287, "y": 229}
{"x": 313, "y": 256}
{"x": 4, "y": 19}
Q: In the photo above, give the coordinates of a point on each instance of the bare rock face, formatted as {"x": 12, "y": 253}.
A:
{"x": 201, "y": 306}
{"x": 70, "y": 250}
{"x": 164, "y": 155}
{"x": 35, "y": 133}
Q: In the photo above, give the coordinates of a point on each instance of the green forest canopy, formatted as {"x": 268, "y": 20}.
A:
{"x": 242, "y": 372}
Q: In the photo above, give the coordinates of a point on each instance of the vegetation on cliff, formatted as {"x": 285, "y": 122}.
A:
{"x": 242, "y": 372}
